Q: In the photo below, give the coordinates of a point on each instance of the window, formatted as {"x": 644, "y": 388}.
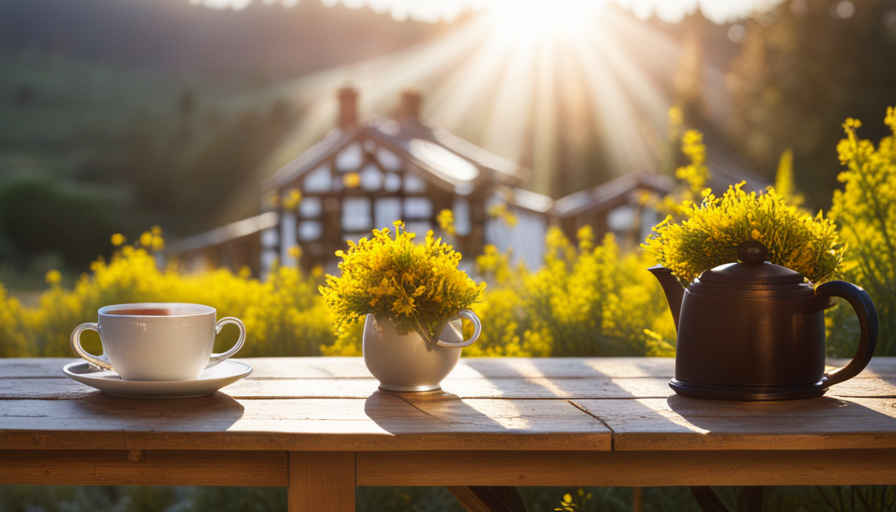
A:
{"x": 350, "y": 158}
{"x": 310, "y": 207}
{"x": 356, "y": 214}
{"x": 318, "y": 180}
{"x": 413, "y": 184}
{"x": 418, "y": 227}
{"x": 621, "y": 218}
{"x": 310, "y": 230}
{"x": 417, "y": 208}
{"x": 388, "y": 160}
{"x": 269, "y": 237}
{"x": 387, "y": 211}
{"x": 462, "y": 216}
{"x": 393, "y": 182}
{"x": 371, "y": 178}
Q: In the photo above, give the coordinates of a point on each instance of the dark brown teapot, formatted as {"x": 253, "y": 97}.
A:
{"x": 755, "y": 331}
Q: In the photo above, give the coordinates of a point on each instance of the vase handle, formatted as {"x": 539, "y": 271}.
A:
{"x": 477, "y": 330}
{"x": 867, "y": 313}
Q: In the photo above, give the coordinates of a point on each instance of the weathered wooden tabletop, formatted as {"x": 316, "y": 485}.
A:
{"x": 517, "y": 421}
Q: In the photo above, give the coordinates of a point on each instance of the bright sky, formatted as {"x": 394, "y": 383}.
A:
{"x": 719, "y": 11}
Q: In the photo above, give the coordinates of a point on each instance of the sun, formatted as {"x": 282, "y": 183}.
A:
{"x": 537, "y": 17}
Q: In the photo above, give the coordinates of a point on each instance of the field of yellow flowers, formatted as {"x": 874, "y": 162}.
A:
{"x": 588, "y": 299}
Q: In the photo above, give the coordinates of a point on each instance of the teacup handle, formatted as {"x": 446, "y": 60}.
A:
{"x": 83, "y": 354}
{"x": 867, "y": 313}
{"x": 220, "y": 358}
{"x": 477, "y": 330}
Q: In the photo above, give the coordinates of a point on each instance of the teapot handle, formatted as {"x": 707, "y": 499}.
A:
{"x": 867, "y": 313}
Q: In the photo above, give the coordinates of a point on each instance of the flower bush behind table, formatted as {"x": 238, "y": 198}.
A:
{"x": 284, "y": 313}
{"x": 865, "y": 210}
{"x": 588, "y": 299}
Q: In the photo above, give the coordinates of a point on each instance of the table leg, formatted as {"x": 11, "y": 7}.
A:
{"x": 488, "y": 499}
{"x": 751, "y": 499}
{"x": 321, "y": 481}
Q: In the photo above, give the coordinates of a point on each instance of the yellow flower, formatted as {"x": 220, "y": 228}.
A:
{"x": 292, "y": 199}
{"x": 53, "y": 277}
{"x": 446, "y": 221}
{"x": 755, "y": 234}
{"x": 295, "y": 251}
{"x": 351, "y": 180}
{"x": 118, "y": 239}
{"x": 404, "y": 306}
{"x": 146, "y": 239}
{"x": 418, "y": 285}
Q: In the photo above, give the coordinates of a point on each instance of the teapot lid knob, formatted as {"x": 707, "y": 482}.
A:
{"x": 752, "y": 252}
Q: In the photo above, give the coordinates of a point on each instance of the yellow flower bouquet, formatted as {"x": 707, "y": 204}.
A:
{"x": 416, "y": 286}
{"x": 712, "y": 231}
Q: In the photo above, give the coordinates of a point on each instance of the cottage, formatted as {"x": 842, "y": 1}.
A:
{"x": 617, "y": 207}
{"x": 366, "y": 174}
{"x": 620, "y": 206}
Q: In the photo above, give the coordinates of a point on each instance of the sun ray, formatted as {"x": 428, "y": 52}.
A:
{"x": 577, "y": 105}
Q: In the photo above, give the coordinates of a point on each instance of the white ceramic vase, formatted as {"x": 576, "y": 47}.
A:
{"x": 406, "y": 362}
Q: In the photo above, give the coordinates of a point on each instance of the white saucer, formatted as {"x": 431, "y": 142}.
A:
{"x": 209, "y": 381}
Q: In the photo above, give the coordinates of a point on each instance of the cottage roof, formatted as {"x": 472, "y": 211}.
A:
{"x": 449, "y": 160}
{"x": 612, "y": 193}
{"x": 223, "y": 234}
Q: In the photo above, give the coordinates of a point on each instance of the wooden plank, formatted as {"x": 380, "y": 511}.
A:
{"x": 21, "y": 367}
{"x": 680, "y": 423}
{"x": 353, "y": 367}
{"x": 381, "y": 421}
{"x": 497, "y": 388}
{"x": 528, "y": 388}
{"x": 123, "y": 467}
{"x": 866, "y": 387}
{"x": 467, "y": 368}
{"x": 628, "y": 469}
{"x": 321, "y": 482}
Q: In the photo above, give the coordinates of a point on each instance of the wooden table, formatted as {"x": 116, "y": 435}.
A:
{"x": 321, "y": 427}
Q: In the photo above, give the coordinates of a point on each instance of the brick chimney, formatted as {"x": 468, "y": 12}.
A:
{"x": 348, "y": 107}
{"x": 411, "y": 101}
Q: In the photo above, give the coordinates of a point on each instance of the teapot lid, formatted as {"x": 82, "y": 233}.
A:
{"x": 752, "y": 269}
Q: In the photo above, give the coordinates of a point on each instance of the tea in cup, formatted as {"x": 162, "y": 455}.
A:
{"x": 157, "y": 341}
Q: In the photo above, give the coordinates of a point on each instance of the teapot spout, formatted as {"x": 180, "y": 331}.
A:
{"x": 672, "y": 288}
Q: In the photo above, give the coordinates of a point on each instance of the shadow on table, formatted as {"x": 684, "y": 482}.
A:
{"x": 215, "y": 412}
{"x": 569, "y": 378}
{"x": 430, "y": 412}
{"x": 631, "y": 396}
{"x": 823, "y": 416}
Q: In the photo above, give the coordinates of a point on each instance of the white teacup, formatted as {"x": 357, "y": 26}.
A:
{"x": 157, "y": 341}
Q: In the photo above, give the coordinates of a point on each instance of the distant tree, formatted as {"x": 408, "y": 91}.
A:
{"x": 213, "y": 170}
{"x": 186, "y": 102}
{"x": 689, "y": 81}
{"x": 802, "y": 70}
{"x": 24, "y": 95}
{"x": 212, "y": 117}
{"x": 40, "y": 216}
{"x": 186, "y": 107}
